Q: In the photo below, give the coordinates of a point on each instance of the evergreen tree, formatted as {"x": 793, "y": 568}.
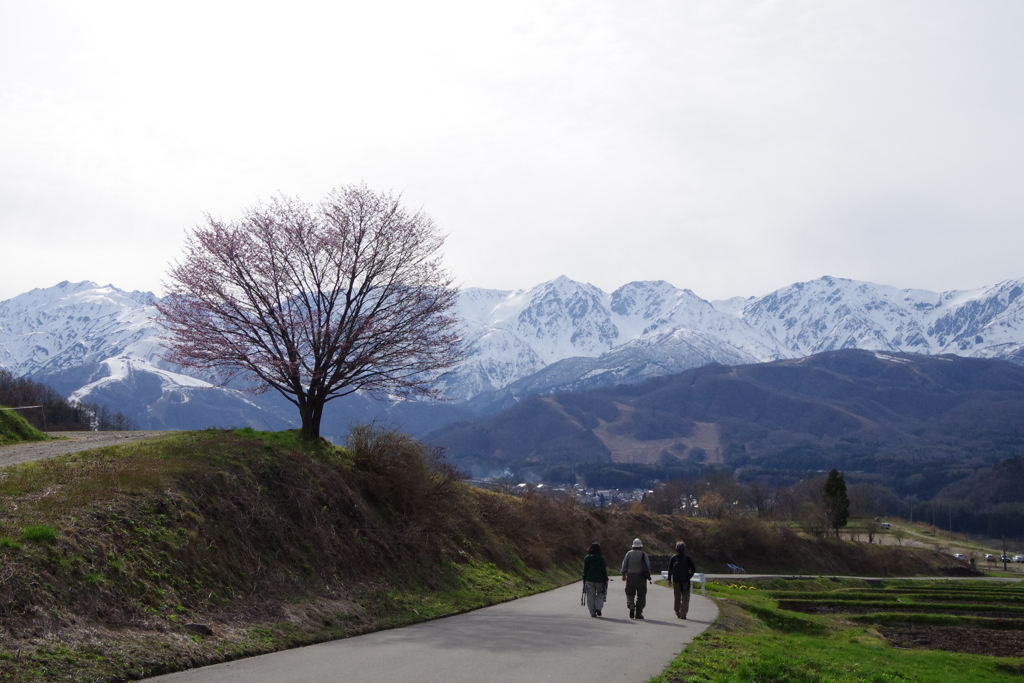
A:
{"x": 837, "y": 504}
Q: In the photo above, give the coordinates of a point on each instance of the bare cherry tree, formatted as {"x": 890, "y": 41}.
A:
{"x": 316, "y": 301}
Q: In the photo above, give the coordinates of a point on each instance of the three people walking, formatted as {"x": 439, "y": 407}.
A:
{"x": 636, "y": 572}
{"x": 595, "y": 579}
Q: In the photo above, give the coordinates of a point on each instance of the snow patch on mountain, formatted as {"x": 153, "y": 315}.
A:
{"x": 120, "y": 369}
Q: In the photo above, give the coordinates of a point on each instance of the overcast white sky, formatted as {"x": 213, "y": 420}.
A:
{"x": 728, "y": 147}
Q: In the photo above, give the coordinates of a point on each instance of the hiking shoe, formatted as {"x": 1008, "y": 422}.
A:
{"x": 593, "y": 614}
{"x": 632, "y": 613}
{"x": 598, "y": 612}
{"x": 639, "y": 616}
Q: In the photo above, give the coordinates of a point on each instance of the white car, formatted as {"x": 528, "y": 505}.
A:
{"x": 958, "y": 556}
{"x": 1018, "y": 558}
{"x": 990, "y": 558}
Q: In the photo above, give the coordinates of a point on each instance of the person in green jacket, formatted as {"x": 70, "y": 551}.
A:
{"x": 595, "y": 579}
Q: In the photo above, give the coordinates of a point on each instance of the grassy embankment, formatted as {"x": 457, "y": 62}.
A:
{"x": 105, "y": 556}
{"x": 846, "y": 631}
{"x": 15, "y": 429}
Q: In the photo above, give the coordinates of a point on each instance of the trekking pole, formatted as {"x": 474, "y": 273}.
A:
{"x": 583, "y": 598}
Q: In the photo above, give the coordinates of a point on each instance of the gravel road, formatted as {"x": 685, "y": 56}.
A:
{"x": 68, "y": 442}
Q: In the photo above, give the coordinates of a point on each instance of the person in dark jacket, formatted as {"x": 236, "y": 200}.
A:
{"x": 680, "y": 570}
{"x": 595, "y": 579}
{"x": 636, "y": 572}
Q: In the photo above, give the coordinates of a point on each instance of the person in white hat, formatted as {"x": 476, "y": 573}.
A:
{"x": 636, "y": 572}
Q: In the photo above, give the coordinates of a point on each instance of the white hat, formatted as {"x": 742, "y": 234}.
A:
{"x": 637, "y": 543}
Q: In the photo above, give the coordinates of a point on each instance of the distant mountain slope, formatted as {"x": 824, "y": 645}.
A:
{"x": 1000, "y": 484}
{"x": 897, "y": 414}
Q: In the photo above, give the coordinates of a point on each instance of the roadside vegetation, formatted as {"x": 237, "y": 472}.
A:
{"x": 848, "y": 630}
{"x": 15, "y": 429}
{"x": 201, "y": 547}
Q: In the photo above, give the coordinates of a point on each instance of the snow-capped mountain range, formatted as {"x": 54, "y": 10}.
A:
{"x": 103, "y": 344}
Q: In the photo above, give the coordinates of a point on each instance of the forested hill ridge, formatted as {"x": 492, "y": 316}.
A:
{"x": 914, "y": 422}
{"x": 100, "y": 344}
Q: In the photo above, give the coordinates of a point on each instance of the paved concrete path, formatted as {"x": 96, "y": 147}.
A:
{"x": 546, "y": 637}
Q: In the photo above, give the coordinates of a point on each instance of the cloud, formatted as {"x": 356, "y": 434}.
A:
{"x": 728, "y": 147}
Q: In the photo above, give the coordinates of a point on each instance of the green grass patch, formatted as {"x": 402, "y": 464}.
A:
{"x": 39, "y": 533}
{"x": 15, "y": 429}
{"x": 849, "y": 657}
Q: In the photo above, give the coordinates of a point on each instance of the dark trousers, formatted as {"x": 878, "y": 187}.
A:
{"x": 681, "y": 598}
{"x": 636, "y": 592}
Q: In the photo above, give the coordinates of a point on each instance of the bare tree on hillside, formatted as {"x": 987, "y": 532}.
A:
{"x": 872, "y": 527}
{"x": 760, "y": 499}
{"x": 664, "y": 499}
{"x": 316, "y": 301}
{"x": 713, "y": 505}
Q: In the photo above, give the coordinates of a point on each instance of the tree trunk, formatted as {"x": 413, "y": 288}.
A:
{"x": 311, "y": 411}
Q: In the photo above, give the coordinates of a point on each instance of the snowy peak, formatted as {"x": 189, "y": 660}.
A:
{"x": 71, "y": 324}
{"x": 835, "y": 313}
{"x": 511, "y": 335}
{"x": 985, "y": 319}
{"x": 566, "y": 317}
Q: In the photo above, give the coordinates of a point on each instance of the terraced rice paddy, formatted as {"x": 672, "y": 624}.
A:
{"x": 975, "y": 617}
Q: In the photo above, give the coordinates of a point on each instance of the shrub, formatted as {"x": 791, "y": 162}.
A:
{"x": 39, "y": 533}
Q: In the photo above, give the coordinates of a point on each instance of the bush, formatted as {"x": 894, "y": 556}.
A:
{"x": 39, "y": 533}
